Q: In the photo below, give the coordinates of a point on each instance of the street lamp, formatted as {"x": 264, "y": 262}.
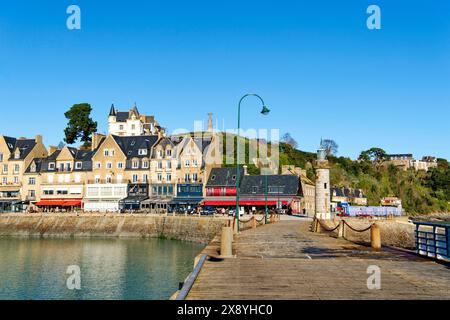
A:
{"x": 265, "y": 111}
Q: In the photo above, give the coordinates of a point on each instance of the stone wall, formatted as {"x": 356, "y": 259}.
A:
{"x": 196, "y": 229}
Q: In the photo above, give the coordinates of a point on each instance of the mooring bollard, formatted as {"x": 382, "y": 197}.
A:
{"x": 341, "y": 229}
{"x": 375, "y": 237}
{"x": 226, "y": 242}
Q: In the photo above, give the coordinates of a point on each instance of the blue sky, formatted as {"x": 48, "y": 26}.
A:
{"x": 322, "y": 72}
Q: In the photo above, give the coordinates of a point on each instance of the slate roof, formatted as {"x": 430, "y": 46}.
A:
{"x": 131, "y": 145}
{"x": 38, "y": 162}
{"x": 24, "y": 145}
{"x": 257, "y": 184}
{"x": 223, "y": 177}
{"x": 122, "y": 116}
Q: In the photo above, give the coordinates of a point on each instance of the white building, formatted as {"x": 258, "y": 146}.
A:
{"x": 131, "y": 123}
{"x": 104, "y": 197}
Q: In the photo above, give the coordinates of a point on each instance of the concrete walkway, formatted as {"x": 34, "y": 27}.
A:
{"x": 286, "y": 261}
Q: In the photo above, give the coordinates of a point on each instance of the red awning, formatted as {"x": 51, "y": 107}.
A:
{"x": 59, "y": 203}
{"x": 50, "y": 203}
{"x": 75, "y": 203}
{"x": 243, "y": 203}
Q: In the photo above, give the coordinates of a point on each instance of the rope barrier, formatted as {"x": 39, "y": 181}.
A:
{"x": 260, "y": 220}
{"x": 326, "y": 227}
{"x": 356, "y": 230}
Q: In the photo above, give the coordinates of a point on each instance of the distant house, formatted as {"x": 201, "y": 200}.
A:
{"x": 391, "y": 202}
{"x": 349, "y": 195}
{"x": 407, "y": 161}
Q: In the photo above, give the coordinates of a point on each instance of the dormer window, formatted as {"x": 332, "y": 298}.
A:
{"x": 51, "y": 166}
{"x": 142, "y": 152}
{"x": 213, "y": 177}
{"x": 33, "y": 168}
{"x": 17, "y": 154}
{"x": 78, "y": 165}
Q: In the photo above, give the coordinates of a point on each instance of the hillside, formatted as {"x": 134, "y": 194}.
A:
{"x": 421, "y": 192}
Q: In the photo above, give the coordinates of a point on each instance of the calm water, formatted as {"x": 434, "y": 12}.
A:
{"x": 110, "y": 268}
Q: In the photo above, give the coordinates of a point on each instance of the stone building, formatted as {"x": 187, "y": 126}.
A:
{"x": 60, "y": 178}
{"x": 16, "y": 154}
{"x": 348, "y": 195}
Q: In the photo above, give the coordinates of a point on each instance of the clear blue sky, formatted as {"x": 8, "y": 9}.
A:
{"x": 322, "y": 72}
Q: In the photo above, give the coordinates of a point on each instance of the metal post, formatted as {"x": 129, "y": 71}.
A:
{"x": 266, "y": 191}
{"x": 264, "y": 111}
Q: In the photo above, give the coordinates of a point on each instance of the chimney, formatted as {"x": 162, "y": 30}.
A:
{"x": 38, "y": 139}
{"x": 245, "y": 170}
{"x": 51, "y": 150}
{"x": 96, "y": 138}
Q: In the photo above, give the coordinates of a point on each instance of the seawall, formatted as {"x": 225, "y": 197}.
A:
{"x": 186, "y": 228}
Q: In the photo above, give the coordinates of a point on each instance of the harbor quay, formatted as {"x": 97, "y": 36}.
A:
{"x": 286, "y": 261}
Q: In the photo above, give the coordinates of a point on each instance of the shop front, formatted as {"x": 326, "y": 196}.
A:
{"x": 137, "y": 194}
{"x": 60, "y": 205}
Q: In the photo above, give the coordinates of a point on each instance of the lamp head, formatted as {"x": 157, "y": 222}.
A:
{"x": 265, "y": 111}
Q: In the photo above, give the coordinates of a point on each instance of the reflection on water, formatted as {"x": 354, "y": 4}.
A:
{"x": 110, "y": 268}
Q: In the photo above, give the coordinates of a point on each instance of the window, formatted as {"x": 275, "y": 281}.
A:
{"x": 17, "y": 154}
{"x": 62, "y": 192}
{"x": 159, "y": 177}
{"x": 187, "y": 177}
{"x": 254, "y": 189}
{"x": 135, "y": 178}
{"x": 145, "y": 178}
{"x": 108, "y": 179}
{"x": 32, "y": 181}
{"x": 133, "y": 126}
{"x": 135, "y": 164}
{"x": 325, "y": 185}
{"x": 98, "y": 165}
{"x": 142, "y": 152}
{"x": 194, "y": 177}
{"x": 169, "y": 152}
{"x": 119, "y": 165}
{"x": 160, "y": 165}
{"x": 16, "y": 180}
{"x": 109, "y": 165}
{"x": 106, "y": 152}
{"x": 145, "y": 164}
{"x": 49, "y": 192}
{"x": 5, "y": 180}
{"x": 121, "y": 127}
{"x": 187, "y": 163}
{"x": 169, "y": 165}
{"x": 97, "y": 179}
{"x": 194, "y": 163}
{"x": 16, "y": 168}
{"x": 1, "y": 157}
{"x": 169, "y": 177}
{"x": 79, "y": 165}
{"x": 51, "y": 166}
{"x": 5, "y": 168}
{"x": 32, "y": 193}
{"x": 213, "y": 177}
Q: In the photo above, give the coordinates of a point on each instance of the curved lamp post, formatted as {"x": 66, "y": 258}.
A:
{"x": 265, "y": 111}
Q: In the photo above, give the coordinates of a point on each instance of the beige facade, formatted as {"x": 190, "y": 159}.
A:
{"x": 15, "y": 156}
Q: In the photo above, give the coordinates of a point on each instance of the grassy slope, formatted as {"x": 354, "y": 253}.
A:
{"x": 421, "y": 192}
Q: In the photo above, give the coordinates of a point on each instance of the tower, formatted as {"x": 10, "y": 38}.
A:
{"x": 210, "y": 122}
{"x": 322, "y": 185}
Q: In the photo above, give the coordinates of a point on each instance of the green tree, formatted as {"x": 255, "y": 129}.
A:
{"x": 373, "y": 155}
{"x": 80, "y": 125}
